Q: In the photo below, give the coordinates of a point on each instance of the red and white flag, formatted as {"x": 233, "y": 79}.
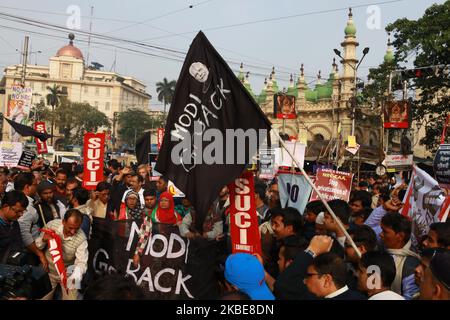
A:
{"x": 244, "y": 230}
{"x": 41, "y": 145}
{"x": 55, "y": 249}
{"x": 94, "y": 149}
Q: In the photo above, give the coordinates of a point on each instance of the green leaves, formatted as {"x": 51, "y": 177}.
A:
{"x": 133, "y": 123}
{"x": 74, "y": 119}
{"x": 165, "y": 90}
{"x": 425, "y": 42}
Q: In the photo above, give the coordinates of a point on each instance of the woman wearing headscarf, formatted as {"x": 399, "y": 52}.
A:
{"x": 131, "y": 209}
{"x": 165, "y": 211}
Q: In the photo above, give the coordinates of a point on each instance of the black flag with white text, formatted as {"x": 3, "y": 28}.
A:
{"x": 213, "y": 129}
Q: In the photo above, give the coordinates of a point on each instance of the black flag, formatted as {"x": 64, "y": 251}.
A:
{"x": 143, "y": 148}
{"x": 209, "y": 100}
{"x": 27, "y": 131}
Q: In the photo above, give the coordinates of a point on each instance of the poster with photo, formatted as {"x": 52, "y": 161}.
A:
{"x": 399, "y": 141}
{"x": 19, "y": 105}
{"x": 396, "y": 115}
{"x": 284, "y": 106}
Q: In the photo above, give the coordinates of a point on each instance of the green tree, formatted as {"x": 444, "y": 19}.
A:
{"x": 53, "y": 99}
{"x": 74, "y": 119}
{"x": 428, "y": 38}
{"x": 133, "y": 122}
{"x": 39, "y": 112}
{"x": 165, "y": 90}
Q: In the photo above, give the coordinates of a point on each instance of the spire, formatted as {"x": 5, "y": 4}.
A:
{"x": 350, "y": 29}
{"x": 247, "y": 84}
{"x": 319, "y": 77}
{"x": 71, "y": 38}
{"x": 301, "y": 84}
{"x": 389, "y": 56}
{"x": 273, "y": 81}
{"x": 241, "y": 76}
{"x": 292, "y": 90}
{"x": 270, "y": 83}
{"x": 263, "y": 95}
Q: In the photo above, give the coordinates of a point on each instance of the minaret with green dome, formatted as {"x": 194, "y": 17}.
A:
{"x": 274, "y": 81}
{"x": 292, "y": 89}
{"x": 263, "y": 95}
{"x": 389, "y": 56}
{"x": 301, "y": 86}
{"x": 350, "y": 61}
{"x": 248, "y": 86}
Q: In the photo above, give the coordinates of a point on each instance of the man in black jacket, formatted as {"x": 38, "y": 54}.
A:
{"x": 14, "y": 204}
{"x": 326, "y": 278}
{"x": 289, "y": 284}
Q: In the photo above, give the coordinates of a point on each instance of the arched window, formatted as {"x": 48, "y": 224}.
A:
{"x": 318, "y": 137}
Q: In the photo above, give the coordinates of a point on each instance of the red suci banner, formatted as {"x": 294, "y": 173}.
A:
{"x": 94, "y": 148}
{"x": 160, "y": 137}
{"x": 55, "y": 249}
{"x": 243, "y": 220}
{"x": 332, "y": 185}
{"x": 41, "y": 145}
{"x": 396, "y": 115}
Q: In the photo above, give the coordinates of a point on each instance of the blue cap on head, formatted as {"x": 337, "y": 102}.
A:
{"x": 244, "y": 271}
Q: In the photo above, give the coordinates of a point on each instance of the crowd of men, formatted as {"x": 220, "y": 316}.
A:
{"x": 305, "y": 255}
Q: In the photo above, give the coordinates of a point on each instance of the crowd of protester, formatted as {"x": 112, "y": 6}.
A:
{"x": 305, "y": 255}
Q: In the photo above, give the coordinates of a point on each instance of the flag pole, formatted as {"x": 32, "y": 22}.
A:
{"x": 338, "y": 221}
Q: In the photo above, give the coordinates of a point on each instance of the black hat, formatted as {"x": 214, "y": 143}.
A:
{"x": 440, "y": 266}
{"x": 44, "y": 185}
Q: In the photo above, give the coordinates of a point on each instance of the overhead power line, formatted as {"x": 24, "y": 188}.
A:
{"x": 275, "y": 19}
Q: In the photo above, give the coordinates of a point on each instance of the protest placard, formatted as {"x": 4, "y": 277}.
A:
{"x": 333, "y": 185}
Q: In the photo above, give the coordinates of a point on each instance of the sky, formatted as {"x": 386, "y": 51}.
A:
{"x": 306, "y": 32}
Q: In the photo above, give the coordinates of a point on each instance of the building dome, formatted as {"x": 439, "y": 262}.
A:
{"x": 324, "y": 91}
{"x": 389, "y": 56}
{"x": 350, "y": 29}
{"x": 70, "y": 50}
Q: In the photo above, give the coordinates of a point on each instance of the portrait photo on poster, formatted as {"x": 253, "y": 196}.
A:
{"x": 284, "y": 106}
{"x": 400, "y": 141}
{"x": 396, "y": 114}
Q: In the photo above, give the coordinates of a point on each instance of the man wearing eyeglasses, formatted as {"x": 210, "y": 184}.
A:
{"x": 326, "y": 278}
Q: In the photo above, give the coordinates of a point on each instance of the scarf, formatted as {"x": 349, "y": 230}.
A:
{"x": 135, "y": 213}
{"x": 401, "y": 255}
{"x": 169, "y": 215}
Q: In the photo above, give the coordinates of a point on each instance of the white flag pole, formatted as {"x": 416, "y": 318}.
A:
{"x": 338, "y": 221}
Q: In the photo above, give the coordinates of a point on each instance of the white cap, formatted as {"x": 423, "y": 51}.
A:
{"x": 320, "y": 218}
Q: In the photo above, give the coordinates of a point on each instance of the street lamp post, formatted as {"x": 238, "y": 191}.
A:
{"x": 365, "y": 52}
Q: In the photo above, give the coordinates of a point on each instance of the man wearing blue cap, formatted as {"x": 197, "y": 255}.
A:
{"x": 244, "y": 272}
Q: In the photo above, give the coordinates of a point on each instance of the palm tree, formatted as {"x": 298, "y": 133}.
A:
{"x": 165, "y": 90}
{"x": 53, "y": 99}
